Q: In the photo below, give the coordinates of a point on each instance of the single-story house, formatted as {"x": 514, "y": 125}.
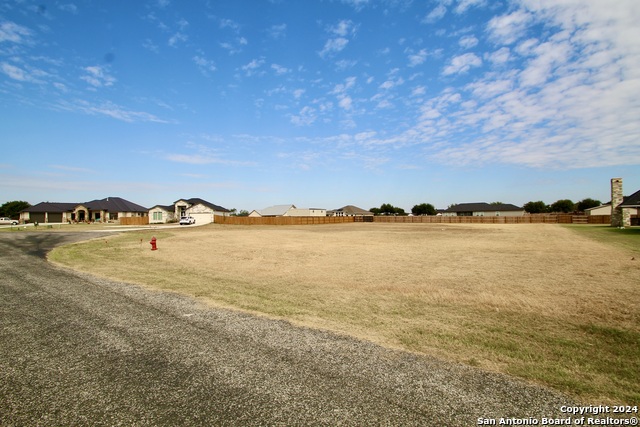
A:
{"x": 102, "y": 210}
{"x": 605, "y": 209}
{"x": 277, "y": 210}
{"x": 631, "y": 206}
{"x": 308, "y": 212}
{"x": 484, "y": 209}
{"x": 161, "y": 214}
{"x": 49, "y": 212}
{"x": 287, "y": 210}
{"x": 349, "y": 210}
{"x": 631, "y": 202}
{"x": 202, "y": 211}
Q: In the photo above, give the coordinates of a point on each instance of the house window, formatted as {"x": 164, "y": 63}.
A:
{"x": 157, "y": 216}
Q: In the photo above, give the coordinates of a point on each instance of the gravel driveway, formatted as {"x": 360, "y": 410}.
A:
{"x": 77, "y": 350}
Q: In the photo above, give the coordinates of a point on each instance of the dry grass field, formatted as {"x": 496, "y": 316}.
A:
{"x": 537, "y": 301}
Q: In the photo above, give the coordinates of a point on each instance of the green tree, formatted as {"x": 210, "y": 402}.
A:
{"x": 563, "y": 205}
{"x": 587, "y": 203}
{"x": 536, "y": 207}
{"x": 423, "y": 209}
{"x": 387, "y": 209}
{"x": 234, "y": 212}
{"x": 12, "y": 209}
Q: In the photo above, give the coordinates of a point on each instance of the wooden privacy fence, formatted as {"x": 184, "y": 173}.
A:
{"x": 134, "y": 220}
{"x": 308, "y": 220}
{"x": 283, "y": 220}
{"x": 526, "y": 219}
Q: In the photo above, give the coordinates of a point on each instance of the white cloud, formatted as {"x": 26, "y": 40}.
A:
{"x": 464, "y": 5}
{"x": 436, "y": 14}
{"x": 205, "y": 65}
{"x": 356, "y": 4}
{"x": 391, "y": 83}
{"x": 12, "y": 32}
{"x": 567, "y": 100}
{"x": 277, "y": 31}
{"x": 202, "y": 154}
{"x": 344, "y": 28}
{"x": 229, "y": 23}
{"x": 279, "y": 69}
{"x": 16, "y": 73}
{"x": 69, "y": 7}
{"x": 97, "y": 76}
{"x": 150, "y": 45}
{"x": 333, "y": 46}
{"x": 252, "y": 67}
{"x": 500, "y": 56}
{"x": 419, "y": 91}
{"x": 338, "y": 40}
{"x": 305, "y": 117}
{"x": 467, "y": 42}
{"x": 462, "y": 63}
{"x": 509, "y": 28}
{"x": 177, "y": 38}
{"x": 345, "y": 103}
{"x": 109, "y": 109}
{"x": 341, "y": 88}
{"x": 547, "y": 57}
{"x": 418, "y": 58}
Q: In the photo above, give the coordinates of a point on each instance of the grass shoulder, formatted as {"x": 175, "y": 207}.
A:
{"x": 625, "y": 238}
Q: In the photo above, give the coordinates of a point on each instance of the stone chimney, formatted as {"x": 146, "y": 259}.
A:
{"x": 619, "y": 217}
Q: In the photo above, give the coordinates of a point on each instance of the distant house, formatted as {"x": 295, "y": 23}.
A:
{"x": 203, "y": 211}
{"x": 161, "y": 214}
{"x": 277, "y": 210}
{"x": 484, "y": 209}
{"x": 287, "y": 210}
{"x": 632, "y": 206}
{"x": 49, "y": 212}
{"x": 349, "y": 210}
{"x": 604, "y": 209}
{"x": 631, "y": 202}
{"x": 110, "y": 209}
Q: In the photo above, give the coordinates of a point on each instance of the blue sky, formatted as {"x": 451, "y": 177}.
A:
{"x": 319, "y": 103}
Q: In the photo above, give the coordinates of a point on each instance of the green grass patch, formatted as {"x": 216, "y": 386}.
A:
{"x": 625, "y": 238}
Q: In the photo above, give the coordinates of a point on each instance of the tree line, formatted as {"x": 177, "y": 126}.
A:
{"x": 12, "y": 209}
{"x": 560, "y": 206}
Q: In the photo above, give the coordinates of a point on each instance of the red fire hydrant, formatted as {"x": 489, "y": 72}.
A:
{"x": 153, "y": 244}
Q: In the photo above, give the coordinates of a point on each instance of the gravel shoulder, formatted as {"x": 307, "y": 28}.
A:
{"x": 77, "y": 350}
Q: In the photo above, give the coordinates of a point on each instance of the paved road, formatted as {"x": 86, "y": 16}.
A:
{"x": 76, "y": 350}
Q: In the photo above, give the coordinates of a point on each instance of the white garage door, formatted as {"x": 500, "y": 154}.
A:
{"x": 203, "y": 217}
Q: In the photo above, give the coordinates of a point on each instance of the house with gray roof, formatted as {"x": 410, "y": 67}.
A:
{"x": 276, "y": 210}
{"x": 110, "y": 209}
{"x": 287, "y": 210}
{"x": 349, "y": 210}
{"x": 202, "y": 211}
{"x": 484, "y": 209}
